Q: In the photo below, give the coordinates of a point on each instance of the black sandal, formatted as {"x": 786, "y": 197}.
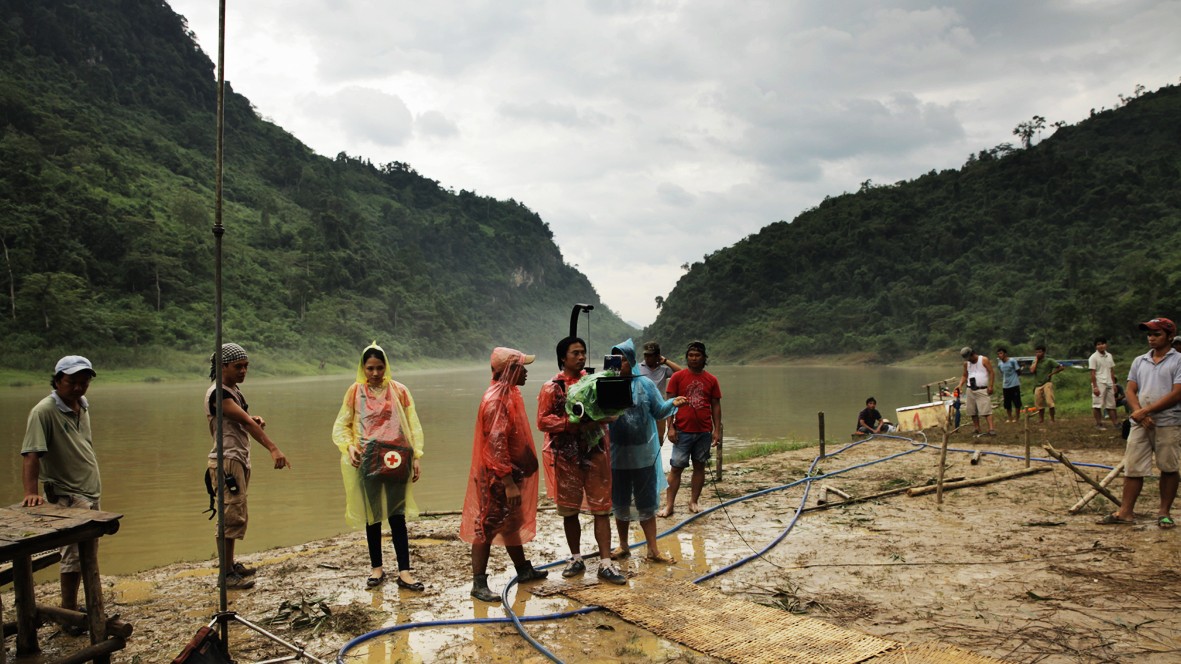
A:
{"x": 375, "y": 581}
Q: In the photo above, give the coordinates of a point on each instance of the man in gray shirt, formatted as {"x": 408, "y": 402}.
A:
{"x": 58, "y": 451}
{"x": 658, "y": 369}
{"x": 1154, "y": 395}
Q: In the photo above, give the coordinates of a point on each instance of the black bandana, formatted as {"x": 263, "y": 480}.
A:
{"x": 229, "y": 353}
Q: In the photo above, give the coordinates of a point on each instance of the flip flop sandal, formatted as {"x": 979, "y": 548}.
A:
{"x": 1165, "y": 522}
{"x": 1113, "y": 520}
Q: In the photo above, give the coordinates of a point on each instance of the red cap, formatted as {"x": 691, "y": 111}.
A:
{"x": 1164, "y": 324}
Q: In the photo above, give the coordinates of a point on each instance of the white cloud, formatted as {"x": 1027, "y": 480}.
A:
{"x": 676, "y": 128}
{"x": 364, "y": 115}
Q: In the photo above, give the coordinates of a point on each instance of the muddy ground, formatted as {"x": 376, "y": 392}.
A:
{"x": 1001, "y": 569}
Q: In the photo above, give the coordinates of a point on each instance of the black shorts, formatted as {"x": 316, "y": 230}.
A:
{"x": 1012, "y": 397}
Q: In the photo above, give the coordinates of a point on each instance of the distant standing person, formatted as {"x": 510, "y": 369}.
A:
{"x": 1102, "y": 366}
{"x": 978, "y": 378}
{"x": 58, "y": 451}
{"x": 238, "y": 427}
{"x": 501, "y": 502}
{"x": 658, "y": 369}
{"x": 1043, "y": 370}
{"x": 380, "y": 441}
{"x": 1010, "y": 384}
{"x": 697, "y": 427}
{"x": 869, "y": 420}
{"x": 1154, "y": 394}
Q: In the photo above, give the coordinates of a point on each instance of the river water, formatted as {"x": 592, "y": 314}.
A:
{"x": 152, "y": 439}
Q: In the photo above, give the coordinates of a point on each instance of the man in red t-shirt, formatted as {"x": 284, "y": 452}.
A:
{"x": 696, "y": 428}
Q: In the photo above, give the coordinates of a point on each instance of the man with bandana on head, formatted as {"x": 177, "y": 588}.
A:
{"x": 696, "y": 429}
{"x": 238, "y": 426}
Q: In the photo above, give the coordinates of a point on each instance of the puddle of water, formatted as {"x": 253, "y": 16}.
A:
{"x": 211, "y": 571}
{"x": 429, "y": 541}
{"x": 128, "y": 591}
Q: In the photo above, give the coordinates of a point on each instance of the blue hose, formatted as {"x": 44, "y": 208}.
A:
{"x": 518, "y": 621}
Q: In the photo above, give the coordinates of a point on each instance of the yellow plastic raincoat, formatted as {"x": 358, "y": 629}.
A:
{"x": 368, "y": 417}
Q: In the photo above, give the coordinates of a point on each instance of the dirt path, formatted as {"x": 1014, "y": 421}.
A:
{"x": 1000, "y": 569}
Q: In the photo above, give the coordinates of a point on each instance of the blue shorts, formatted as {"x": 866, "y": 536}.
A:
{"x": 693, "y": 446}
{"x": 637, "y": 482}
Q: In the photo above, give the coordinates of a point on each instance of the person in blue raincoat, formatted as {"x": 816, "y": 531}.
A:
{"x": 636, "y": 477}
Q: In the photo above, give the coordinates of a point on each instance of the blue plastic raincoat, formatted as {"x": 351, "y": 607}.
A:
{"x": 634, "y": 441}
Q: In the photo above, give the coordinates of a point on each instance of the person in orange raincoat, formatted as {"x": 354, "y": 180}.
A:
{"x": 501, "y": 502}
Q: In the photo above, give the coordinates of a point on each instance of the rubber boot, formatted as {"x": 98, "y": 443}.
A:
{"x": 526, "y": 573}
{"x": 480, "y": 589}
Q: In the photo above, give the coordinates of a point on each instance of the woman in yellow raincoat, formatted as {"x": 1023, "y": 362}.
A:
{"x": 380, "y": 442}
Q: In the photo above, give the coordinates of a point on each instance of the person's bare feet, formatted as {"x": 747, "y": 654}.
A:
{"x": 694, "y": 508}
{"x": 665, "y": 512}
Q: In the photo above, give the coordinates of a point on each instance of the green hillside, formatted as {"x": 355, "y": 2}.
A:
{"x": 1075, "y": 237}
{"x": 107, "y": 136}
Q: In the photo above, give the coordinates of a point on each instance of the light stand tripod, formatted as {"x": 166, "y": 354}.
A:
{"x": 224, "y": 616}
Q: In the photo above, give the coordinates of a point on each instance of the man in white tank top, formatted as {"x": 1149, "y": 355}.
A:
{"x": 976, "y": 386}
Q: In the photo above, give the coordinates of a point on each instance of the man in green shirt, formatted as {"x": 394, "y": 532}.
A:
{"x": 1043, "y": 370}
{"x": 58, "y": 451}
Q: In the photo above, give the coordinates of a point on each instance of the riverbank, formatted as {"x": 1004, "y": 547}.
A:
{"x": 1001, "y": 569}
{"x": 175, "y": 366}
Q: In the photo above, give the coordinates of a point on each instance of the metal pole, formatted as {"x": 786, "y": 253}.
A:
{"x": 820, "y": 416}
{"x": 218, "y": 231}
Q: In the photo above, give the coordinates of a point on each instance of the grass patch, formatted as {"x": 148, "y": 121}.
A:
{"x": 768, "y": 448}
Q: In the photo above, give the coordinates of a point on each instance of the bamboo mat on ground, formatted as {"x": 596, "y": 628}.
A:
{"x": 747, "y": 633}
{"x": 931, "y": 653}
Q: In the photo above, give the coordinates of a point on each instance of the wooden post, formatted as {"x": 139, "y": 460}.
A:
{"x": 1028, "y": 414}
{"x": 93, "y": 589}
{"x": 942, "y": 463}
{"x": 26, "y": 606}
{"x": 1094, "y": 492}
{"x": 1087, "y": 478}
{"x": 820, "y": 415}
{"x": 718, "y": 466}
{"x": 979, "y": 481}
{"x": 928, "y": 393}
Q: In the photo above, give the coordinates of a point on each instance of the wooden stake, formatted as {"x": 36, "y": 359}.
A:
{"x": 820, "y": 416}
{"x": 924, "y": 490}
{"x": 872, "y": 496}
{"x": 942, "y": 463}
{"x": 1028, "y": 414}
{"x": 1092, "y": 493}
{"x": 1066, "y": 462}
{"x": 840, "y": 493}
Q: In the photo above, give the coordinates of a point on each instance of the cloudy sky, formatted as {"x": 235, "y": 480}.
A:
{"x": 648, "y": 134}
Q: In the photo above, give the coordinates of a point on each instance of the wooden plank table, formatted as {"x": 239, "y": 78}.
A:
{"x": 27, "y": 531}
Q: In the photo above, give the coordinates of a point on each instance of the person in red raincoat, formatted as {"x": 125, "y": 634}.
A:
{"x": 501, "y": 502}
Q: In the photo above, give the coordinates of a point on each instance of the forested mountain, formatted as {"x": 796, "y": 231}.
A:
{"x": 107, "y": 136}
{"x": 1074, "y": 237}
